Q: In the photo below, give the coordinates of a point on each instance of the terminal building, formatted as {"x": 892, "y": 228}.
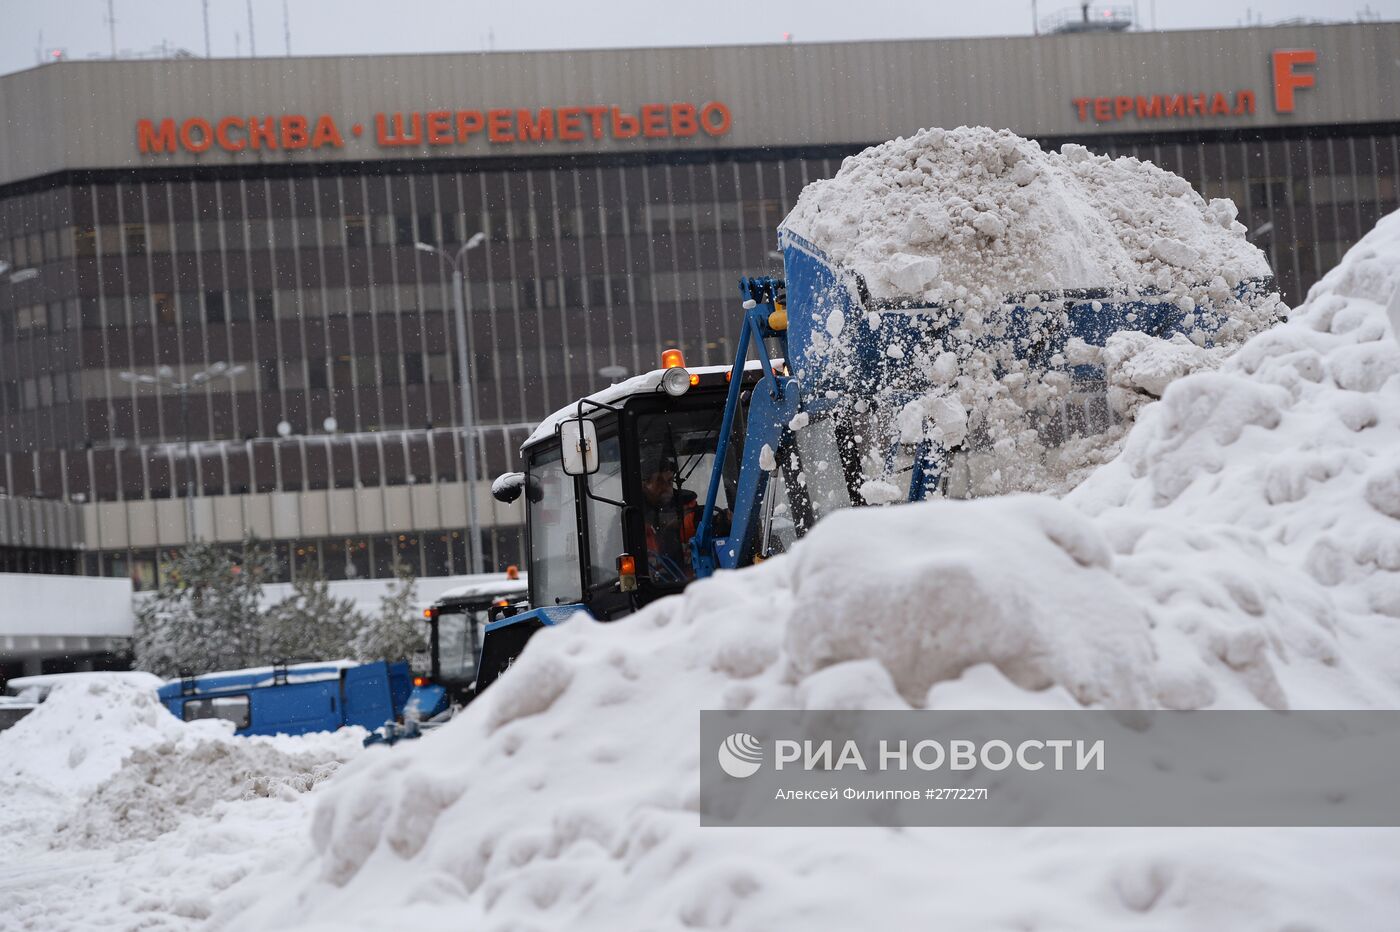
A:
{"x": 159, "y": 218}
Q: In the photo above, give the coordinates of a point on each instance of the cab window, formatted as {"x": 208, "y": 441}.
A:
{"x": 676, "y": 451}
{"x": 554, "y": 558}
{"x": 229, "y": 708}
{"x": 604, "y": 519}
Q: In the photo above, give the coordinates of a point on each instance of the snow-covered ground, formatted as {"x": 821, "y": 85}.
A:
{"x": 1242, "y": 552}
{"x": 116, "y": 815}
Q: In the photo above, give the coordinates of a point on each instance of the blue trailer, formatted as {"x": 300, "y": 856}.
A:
{"x": 295, "y": 699}
{"x": 634, "y": 491}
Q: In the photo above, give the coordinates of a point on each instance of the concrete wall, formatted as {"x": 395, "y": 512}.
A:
{"x": 62, "y": 616}
{"x": 291, "y": 515}
{"x": 84, "y": 114}
{"x": 28, "y": 522}
{"x": 70, "y": 616}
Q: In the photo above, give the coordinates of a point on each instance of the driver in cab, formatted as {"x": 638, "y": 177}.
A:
{"x": 671, "y": 514}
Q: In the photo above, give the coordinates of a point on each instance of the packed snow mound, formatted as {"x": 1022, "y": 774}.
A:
{"x": 78, "y": 736}
{"x": 1025, "y": 617}
{"x": 160, "y": 785}
{"x": 102, "y": 760}
{"x": 1243, "y": 552}
{"x": 971, "y": 215}
{"x": 1277, "y": 480}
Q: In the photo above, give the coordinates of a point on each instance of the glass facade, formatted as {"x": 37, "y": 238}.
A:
{"x": 312, "y": 282}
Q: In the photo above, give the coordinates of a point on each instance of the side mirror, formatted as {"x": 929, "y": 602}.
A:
{"x": 508, "y": 486}
{"x": 578, "y": 441}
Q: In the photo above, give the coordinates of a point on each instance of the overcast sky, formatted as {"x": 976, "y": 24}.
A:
{"x": 30, "y": 28}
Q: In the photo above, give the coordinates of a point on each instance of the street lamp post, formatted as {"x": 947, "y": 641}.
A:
{"x": 166, "y": 376}
{"x": 464, "y": 382}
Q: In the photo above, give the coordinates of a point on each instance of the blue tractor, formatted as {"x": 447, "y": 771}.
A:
{"x": 671, "y": 476}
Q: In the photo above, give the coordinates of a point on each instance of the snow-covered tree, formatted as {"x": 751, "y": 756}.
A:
{"x": 311, "y": 624}
{"x": 397, "y": 632}
{"x": 205, "y": 615}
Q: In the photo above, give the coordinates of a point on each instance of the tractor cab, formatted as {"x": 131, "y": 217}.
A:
{"x": 615, "y": 488}
{"x": 456, "y": 622}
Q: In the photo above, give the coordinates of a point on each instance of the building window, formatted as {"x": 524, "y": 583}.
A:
{"x": 307, "y": 556}
{"x": 497, "y": 224}
{"x": 288, "y": 304}
{"x": 427, "y": 232}
{"x": 237, "y": 304}
{"x": 85, "y": 241}
{"x": 389, "y": 368}
{"x": 364, "y": 371}
{"x": 293, "y": 375}
{"x": 189, "y": 302}
{"x": 164, "y": 304}
{"x": 406, "y": 552}
{"x": 135, "y": 239}
{"x": 214, "y": 307}
{"x": 263, "y": 307}
{"x": 116, "y": 311}
{"x": 437, "y": 554}
{"x": 341, "y": 376}
{"x": 382, "y": 230}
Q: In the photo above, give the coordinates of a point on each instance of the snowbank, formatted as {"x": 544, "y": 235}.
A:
{"x": 108, "y": 740}
{"x": 159, "y": 786}
{"x": 79, "y": 736}
{"x": 1243, "y": 552}
{"x": 102, "y": 765}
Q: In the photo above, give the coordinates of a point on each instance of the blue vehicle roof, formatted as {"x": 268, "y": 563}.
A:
{"x": 254, "y": 678}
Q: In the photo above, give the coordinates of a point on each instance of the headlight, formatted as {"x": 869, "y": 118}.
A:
{"x": 676, "y": 381}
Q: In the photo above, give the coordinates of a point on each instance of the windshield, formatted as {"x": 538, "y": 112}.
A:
{"x": 676, "y": 452}
{"x": 459, "y": 636}
{"x": 554, "y": 559}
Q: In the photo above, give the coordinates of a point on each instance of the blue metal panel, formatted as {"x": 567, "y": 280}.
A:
{"x": 369, "y": 702}
{"x": 816, "y": 287}
{"x": 425, "y": 701}
{"x": 548, "y": 615}
{"x": 772, "y": 406}
{"x": 400, "y": 684}
{"x": 813, "y": 292}
{"x": 293, "y": 708}
{"x": 214, "y": 683}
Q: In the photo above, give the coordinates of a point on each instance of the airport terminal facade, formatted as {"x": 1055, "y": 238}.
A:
{"x": 265, "y": 213}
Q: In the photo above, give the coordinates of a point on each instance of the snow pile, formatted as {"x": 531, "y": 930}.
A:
{"x": 78, "y": 737}
{"x": 1138, "y": 367}
{"x": 967, "y": 216}
{"x": 160, "y": 785}
{"x": 116, "y": 814}
{"x": 1244, "y": 552}
{"x": 1259, "y": 505}
{"x": 102, "y": 759}
{"x": 966, "y": 226}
